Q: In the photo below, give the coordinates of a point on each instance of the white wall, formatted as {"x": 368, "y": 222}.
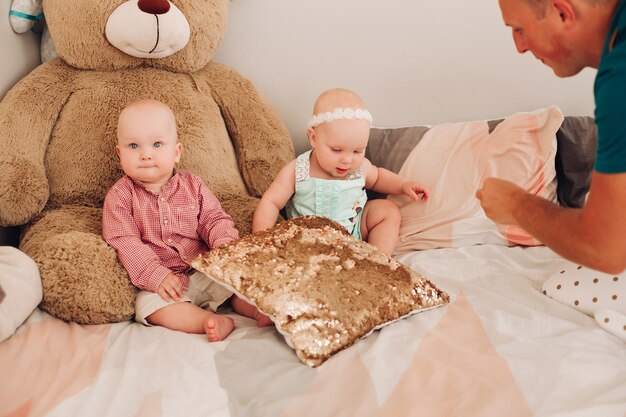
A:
{"x": 20, "y": 54}
{"x": 412, "y": 61}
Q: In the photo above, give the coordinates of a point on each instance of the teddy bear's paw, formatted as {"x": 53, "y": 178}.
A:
{"x": 613, "y": 322}
{"x": 24, "y": 191}
{"x": 83, "y": 281}
{"x": 24, "y": 13}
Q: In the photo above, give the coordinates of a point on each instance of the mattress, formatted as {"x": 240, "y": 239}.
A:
{"x": 499, "y": 348}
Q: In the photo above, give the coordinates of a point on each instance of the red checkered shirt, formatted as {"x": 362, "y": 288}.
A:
{"x": 155, "y": 234}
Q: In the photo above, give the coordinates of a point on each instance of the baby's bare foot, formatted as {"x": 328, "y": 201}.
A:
{"x": 218, "y": 327}
{"x": 262, "y": 320}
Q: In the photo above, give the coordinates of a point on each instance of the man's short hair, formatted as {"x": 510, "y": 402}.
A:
{"x": 541, "y": 6}
{"x": 538, "y": 6}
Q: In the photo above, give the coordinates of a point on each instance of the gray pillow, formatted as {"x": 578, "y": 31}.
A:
{"x": 575, "y": 156}
{"x": 388, "y": 148}
{"x": 576, "y": 147}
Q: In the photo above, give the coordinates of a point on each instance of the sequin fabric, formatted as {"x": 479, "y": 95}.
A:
{"x": 323, "y": 288}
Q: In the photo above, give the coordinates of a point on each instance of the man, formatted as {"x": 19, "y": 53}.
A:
{"x": 569, "y": 35}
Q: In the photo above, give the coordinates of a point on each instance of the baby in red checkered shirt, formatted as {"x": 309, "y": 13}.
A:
{"x": 158, "y": 219}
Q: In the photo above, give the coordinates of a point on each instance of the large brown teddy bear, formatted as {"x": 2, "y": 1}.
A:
{"x": 57, "y": 134}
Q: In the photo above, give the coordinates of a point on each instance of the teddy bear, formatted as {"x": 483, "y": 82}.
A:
{"x": 58, "y": 133}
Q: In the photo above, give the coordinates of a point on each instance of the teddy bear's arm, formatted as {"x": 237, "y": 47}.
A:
{"x": 28, "y": 114}
{"x": 260, "y": 137}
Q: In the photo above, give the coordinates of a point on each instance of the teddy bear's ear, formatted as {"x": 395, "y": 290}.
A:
{"x": 24, "y": 13}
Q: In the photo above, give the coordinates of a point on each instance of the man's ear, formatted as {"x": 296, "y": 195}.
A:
{"x": 565, "y": 11}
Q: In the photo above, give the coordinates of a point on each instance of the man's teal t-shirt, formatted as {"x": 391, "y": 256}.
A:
{"x": 610, "y": 96}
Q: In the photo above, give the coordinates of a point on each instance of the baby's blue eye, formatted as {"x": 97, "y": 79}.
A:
{"x": 133, "y": 146}
{"x": 157, "y": 144}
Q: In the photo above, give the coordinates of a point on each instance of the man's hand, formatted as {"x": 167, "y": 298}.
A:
{"x": 497, "y": 197}
{"x": 415, "y": 190}
{"x": 170, "y": 288}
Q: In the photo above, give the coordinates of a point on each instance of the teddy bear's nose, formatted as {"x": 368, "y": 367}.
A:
{"x": 154, "y": 6}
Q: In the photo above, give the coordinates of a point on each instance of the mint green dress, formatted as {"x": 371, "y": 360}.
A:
{"x": 338, "y": 200}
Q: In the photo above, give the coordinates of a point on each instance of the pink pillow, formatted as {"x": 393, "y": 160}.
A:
{"x": 453, "y": 159}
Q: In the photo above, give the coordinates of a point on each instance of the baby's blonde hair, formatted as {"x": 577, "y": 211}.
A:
{"x": 149, "y": 102}
{"x": 337, "y": 98}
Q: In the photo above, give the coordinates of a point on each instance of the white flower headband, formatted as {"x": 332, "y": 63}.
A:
{"x": 339, "y": 114}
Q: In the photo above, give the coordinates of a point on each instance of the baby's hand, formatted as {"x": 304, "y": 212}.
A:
{"x": 170, "y": 288}
{"x": 415, "y": 190}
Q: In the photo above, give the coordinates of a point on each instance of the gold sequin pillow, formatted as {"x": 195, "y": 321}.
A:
{"x": 323, "y": 288}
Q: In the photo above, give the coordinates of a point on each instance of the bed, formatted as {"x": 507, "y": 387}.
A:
{"x": 500, "y": 347}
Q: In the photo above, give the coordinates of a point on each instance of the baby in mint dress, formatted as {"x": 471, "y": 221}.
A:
{"x": 341, "y": 200}
{"x": 330, "y": 179}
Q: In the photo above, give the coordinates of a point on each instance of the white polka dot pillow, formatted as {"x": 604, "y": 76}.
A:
{"x": 597, "y": 294}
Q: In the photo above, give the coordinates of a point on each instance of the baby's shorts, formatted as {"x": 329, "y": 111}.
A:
{"x": 202, "y": 291}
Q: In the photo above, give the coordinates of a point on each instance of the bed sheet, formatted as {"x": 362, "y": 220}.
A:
{"x": 500, "y": 348}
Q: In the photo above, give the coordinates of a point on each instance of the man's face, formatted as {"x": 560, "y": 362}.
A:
{"x": 545, "y": 37}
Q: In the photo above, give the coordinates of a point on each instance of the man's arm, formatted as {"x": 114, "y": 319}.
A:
{"x": 594, "y": 236}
